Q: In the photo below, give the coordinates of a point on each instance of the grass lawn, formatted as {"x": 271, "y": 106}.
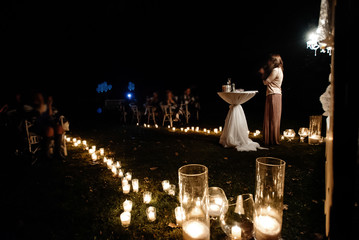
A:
{"x": 79, "y": 199}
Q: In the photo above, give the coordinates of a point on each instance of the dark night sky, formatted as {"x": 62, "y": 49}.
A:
{"x": 158, "y": 45}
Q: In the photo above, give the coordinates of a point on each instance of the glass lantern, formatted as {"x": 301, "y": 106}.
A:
{"x": 193, "y": 196}
{"x": 315, "y": 130}
{"x": 268, "y": 206}
{"x": 289, "y": 134}
{"x": 218, "y": 202}
{"x": 303, "y": 133}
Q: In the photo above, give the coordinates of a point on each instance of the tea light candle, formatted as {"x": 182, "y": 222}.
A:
{"x": 128, "y": 176}
{"x": 120, "y": 173}
{"x": 91, "y": 151}
{"x": 127, "y": 205}
{"x": 266, "y": 227}
{"x": 197, "y": 129}
{"x": 165, "y": 185}
{"x": 220, "y": 129}
{"x": 182, "y": 129}
{"x": 208, "y": 131}
{"x": 147, "y": 196}
{"x": 74, "y": 140}
{"x": 236, "y": 232}
{"x": 125, "y": 219}
{"x": 172, "y": 190}
{"x": 126, "y": 188}
{"x": 76, "y": 144}
{"x": 192, "y": 128}
{"x": 168, "y": 126}
{"x": 94, "y": 156}
{"x": 156, "y": 126}
{"x": 195, "y": 230}
{"x": 204, "y": 129}
{"x": 173, "y": 129}
{"x": 151, "y": 213}
{"x": 179, "y": 213}
{"x": 135, "y": 185}
{"x": 282, "y": 138}
{"x": 215, "y": 130}
{"x": 94, "y": 147}
{"x": 68, "y": 139}
{"x": 144, "y": 125}
{"x": 214, "y": 210}
{"x": 102, "y": 151}
{"x": 84, "y": 142}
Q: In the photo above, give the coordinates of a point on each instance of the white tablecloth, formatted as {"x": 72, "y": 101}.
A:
{"x": 235, "y": 131}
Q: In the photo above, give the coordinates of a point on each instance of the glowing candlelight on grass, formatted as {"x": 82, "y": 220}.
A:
{"x": 181, "y": 129}
{"x": 195, "y": 230}
{"x": 120, "y": 173}
{"x": 68, "y": 139}
{"x": 102, "y": 151}
{"x": 156, "y": 126}
{"x": 147, "y": 196}
{"x": 74, "y": 140}
{"x": 186, "y": 130}
{"x": 192, "y": 128}
{"x": 282, "y": 137}
{"x": 126, "y": 188}
{"x": 151, "y": 214}
{"x": 220, "y": 129}
{"x": 109, "y": 163}
{"x": 105, "y": 159}
{"x": 124, "y": 181}
{"x": 135, "y": 185}
{"x": 114, "y": 170}
{"x": 94, "y": 147}
{"x": 179, "y": 213}
{"x": 128, "y": 176}
{"x": 91, "y": 151}
{"x": 127, "y": 205}
{"x": 215, "y": 130}
{"x": 236, "y": 232}
{"x": 204, "y": 129}
{"x": 144, "y": 125}
{"x": 197, "y": 129}
{"x": 165, "y": 185}
{"x": 172, "y": 190}
{"x": 125, "y": 219}
{"x": 168, "y": 126}
{"x": 76, "y": 144}
{"x": 118, "y": 164}
{"x": 94, "y": 156}
{"x": 258, "y": 132}
{"x": 173, "y": 129}
{"x": 84, "y": 142}
{"x": 137, "y": 124}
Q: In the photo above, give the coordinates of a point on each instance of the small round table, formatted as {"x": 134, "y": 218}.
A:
{"x": 235, "y": 131}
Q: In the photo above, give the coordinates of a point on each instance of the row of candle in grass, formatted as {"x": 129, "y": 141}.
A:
{"x": 170, "y": 189}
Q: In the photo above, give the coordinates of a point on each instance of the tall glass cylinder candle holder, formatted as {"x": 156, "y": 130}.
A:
{"x": 315, "y": 129}
{"x": 268, "y": 207}
{"x": 193, "y": 195}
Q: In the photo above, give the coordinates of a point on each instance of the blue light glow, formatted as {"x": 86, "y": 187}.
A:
{"x": 129, "y": 95}
{"x": 103, "y": 87}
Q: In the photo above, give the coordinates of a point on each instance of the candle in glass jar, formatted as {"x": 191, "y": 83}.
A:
{"x": 220, "y": 129}
{"x": 118, "y": 164}
{"x": 76, "y": 144}
{"x": 127, "y": 205}
{"x": 94, "y": 156}
{"x": 236, "y": 232}
{"x": 179, "y": 213}
{"x": 94, "y": 147}
{"x": 124, "y": 181}
{"x": 135, "y": 185}
{"x": 120, "y": 173}
{"x": 84, "y": 142}
{"x": 126, "y": 188}
{"x": 102, "y": 151}
{"x": 195, "y": 230}
{"x": 114, "y": 170}
{"x": 266, "y": 227}
{"x": 151, "y": 213}
{"x": 172, "y": 190}
{"x": 165, "y": 185}
{"x": 215, "y": 130}
{"x": 125, "y": 219}
{"x": 147, "y": 196}
{"x": 68, "y": 139}
{"x": 74, "y": 140}
{"x": 91, "y": 151}
{"x": 128, "y": 176}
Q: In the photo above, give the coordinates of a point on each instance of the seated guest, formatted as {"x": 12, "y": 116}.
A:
{"x": 191, "y": 101}
{"x": 171, "y": 101}
{"x": 46, "y": 124}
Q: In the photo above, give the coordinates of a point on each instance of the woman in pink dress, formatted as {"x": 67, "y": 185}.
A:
{"x": 272, "y": 76}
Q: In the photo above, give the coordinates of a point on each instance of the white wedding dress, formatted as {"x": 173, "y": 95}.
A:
{"x": 235, "y": 131}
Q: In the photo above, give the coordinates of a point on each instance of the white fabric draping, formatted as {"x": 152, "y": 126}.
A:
{"x": 235, "y": 131}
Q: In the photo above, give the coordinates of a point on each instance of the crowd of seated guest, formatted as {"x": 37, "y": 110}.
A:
{"x": 33, "y": 110}
{"x": 179, "y": 106}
